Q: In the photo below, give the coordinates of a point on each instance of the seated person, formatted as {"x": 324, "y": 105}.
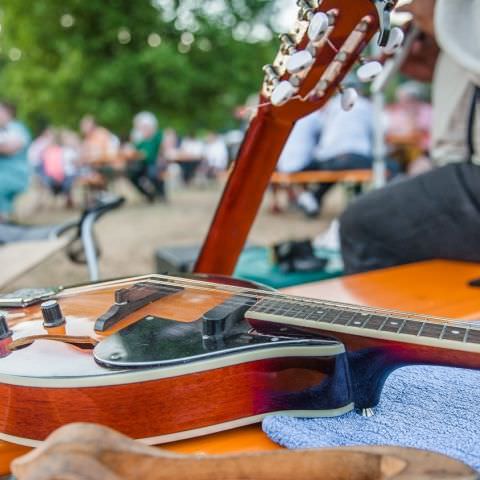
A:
{"x": 58, "y": 168}
{"x": 14, "y": 168}
{"x": 298, "y": 151}
{"x": 190, "y": 155}
{"x": 146, "y": 173}
{"x": 346, "y": 142}
{"x": 436, "y": 214}
{"x": 409, "y": 123}
{"x": 99, "y": 146}
{"x": 216, "y": 154}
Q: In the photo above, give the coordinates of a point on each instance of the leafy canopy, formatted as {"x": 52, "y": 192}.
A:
{"x": 189, "y": 61}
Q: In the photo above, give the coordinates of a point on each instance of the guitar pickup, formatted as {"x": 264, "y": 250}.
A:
{"x": 219, "y": 320}
{"x": 129, "y": 300}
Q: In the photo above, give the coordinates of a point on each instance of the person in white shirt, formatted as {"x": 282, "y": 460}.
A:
{"x": 437, "y": 214}
{"x": 299, "y": 149}
{"x": 346, "y": 143}
{"x": 215, "y": 153}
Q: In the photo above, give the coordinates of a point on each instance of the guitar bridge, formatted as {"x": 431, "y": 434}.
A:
{"x": 129, "y": 300}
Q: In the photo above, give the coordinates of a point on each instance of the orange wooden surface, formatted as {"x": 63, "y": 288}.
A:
{"x": 435, "y": 287}
{"x": 327, "y": 176}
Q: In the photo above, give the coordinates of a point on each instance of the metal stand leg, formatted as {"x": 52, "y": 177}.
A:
{"x": 89, "y": 247}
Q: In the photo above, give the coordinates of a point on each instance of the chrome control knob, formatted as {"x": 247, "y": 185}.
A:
{"x": 52, "y": 314}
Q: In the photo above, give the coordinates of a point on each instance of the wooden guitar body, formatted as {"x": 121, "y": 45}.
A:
{"x": 193, "y": 385}
{"x": 204, "y": 357}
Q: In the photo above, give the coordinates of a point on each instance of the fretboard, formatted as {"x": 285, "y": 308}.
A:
{"x": 364, "y": 323}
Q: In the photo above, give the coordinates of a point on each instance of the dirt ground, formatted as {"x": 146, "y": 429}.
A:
{"x": 129, "y": 236}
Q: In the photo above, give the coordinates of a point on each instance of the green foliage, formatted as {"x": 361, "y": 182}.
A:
{"x": 83, "y": 67}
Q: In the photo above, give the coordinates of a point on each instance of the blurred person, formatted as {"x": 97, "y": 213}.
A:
{"x": 37, "y": 148}
{"x": 59, "y": 164}
{"x": 99, "y": 145}
{"x": 189, "y": 155}
{"x": 216, "y": 154}
{"x": 345, "y": 143}
{"x": 299, "y": 149}
{"x": 14, "y": 168}
{"x": 409, "y": 122}
{"x": 146, "y": 174}
{"x": 298, "y": 152}
{"x": 437, "y": 214}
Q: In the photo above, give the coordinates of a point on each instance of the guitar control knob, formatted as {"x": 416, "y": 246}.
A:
{"x": 318, "y": 27}
{"x": 5, "y": 332}
{"x": 395, "y": 41}
{"x": 299, "y": 61}
{"x": 282, "y": 93}
{"x": 52, "y": 314}
{"x": 368, "y": 71}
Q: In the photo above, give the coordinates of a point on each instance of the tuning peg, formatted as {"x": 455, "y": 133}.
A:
{"x": 395, "y": 41}
{"x": 282, "y": 93}
{"x": 318, "y": 27}
{"x": 287, "y": 44}
{"x": 307, "y": 3}
{"x": 299, "y": 61}
{"x": 271, "y": 74}
{"x": 348, "y": 99}
{"x": 369, "y": 70}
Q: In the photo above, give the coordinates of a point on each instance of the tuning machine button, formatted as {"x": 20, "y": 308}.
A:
{"x": 369, "y": 71}
{"x": 52, "y": 314}
{"x": 395, "y": 41}
{"x": 348, "y": 99}
{"x": 318, "y": 27}
{"x": 299, "y": 61}
{"x": 282, "y": 93}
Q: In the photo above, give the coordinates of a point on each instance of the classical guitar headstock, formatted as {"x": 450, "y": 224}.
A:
{"x": 324, "y": 44}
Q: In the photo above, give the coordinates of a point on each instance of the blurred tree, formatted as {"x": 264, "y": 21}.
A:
{"x": 189, "y": 61}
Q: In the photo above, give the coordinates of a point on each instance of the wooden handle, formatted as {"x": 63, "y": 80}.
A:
{"x": 91, "y": 452}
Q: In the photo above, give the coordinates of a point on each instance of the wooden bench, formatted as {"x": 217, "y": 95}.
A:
{"x": 290, "y": 180}
{"x": 322, "y": 176}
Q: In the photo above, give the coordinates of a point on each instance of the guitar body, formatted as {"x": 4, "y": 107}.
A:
{"x": 224, "y": 384}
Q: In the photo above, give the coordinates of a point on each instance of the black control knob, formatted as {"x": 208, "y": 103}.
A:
{"x": 52, "y": 314}
{"x": 5, "y": 332}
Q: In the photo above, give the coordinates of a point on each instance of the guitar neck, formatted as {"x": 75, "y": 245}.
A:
{"x": 408, "y": 329}
{"x": 243, "y": 194}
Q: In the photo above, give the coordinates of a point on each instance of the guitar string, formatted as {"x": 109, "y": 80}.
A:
{"x": 208, "y": 286}
{"x": 292, "y": 299}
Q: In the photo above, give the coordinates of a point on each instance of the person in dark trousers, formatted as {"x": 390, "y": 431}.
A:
{"x": 437, "y": 214}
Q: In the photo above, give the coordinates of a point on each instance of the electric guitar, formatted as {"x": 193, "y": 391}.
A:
{"x": 164, "y": 358}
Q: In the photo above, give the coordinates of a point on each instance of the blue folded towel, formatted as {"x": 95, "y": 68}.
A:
{"x": 432, "y": 408}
